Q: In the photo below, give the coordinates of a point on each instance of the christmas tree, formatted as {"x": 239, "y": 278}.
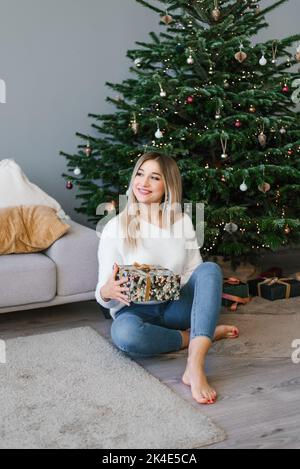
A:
{"x": 224, "y": 107}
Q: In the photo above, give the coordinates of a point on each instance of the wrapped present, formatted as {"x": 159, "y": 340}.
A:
{"x": 235, "y": 292}
{"x": 270, "y": 273}
{"x": 150, "y": 282}
{"x": 278, "y": 288}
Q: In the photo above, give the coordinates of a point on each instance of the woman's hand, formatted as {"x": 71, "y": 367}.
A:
{"x": 112, "y": 289}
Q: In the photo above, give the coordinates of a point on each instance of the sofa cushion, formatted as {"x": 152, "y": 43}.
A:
{"x": 16, "y": 189}
{"x": 26, "y": 278}
{"x": 29, "y": 228}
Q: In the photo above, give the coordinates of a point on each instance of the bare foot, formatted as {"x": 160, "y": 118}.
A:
{"x": 226, "y": 332}
{"x": 195, "y": 377}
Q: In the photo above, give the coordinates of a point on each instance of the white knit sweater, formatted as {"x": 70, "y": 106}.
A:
{"x": 175, "y": 249}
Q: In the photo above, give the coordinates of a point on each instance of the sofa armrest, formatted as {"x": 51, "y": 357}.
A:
{"x": 75, "y": 256}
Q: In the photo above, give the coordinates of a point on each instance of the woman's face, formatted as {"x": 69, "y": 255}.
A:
{"x": 148, "y": 185}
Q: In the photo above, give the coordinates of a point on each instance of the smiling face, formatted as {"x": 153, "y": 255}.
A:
{"x": 148, "y": 186}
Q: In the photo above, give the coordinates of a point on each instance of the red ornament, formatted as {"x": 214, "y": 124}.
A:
{"x": 238, "y": 124}
{"x": 285, "y": 89}
{"x": 190, "y": 99}
{"x": 69, "y": 185}
{"x": 290, "y": 152}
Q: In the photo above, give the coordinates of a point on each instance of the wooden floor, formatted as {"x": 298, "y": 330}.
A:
{"x": 259, "y": 397}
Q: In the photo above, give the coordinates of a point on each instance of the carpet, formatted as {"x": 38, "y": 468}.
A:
{"x": 73, "y": 389}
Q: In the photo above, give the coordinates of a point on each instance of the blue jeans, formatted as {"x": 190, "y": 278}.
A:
{"x": 147, "y": 330}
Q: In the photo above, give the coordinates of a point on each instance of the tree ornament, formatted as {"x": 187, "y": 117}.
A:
{"x": 218, "y": 114}
{"x": 110, "y": 206}
{"x": 77, "y": 171}
{"x": 241, "y": 56}
{"x": 190, "y": 99}
{"x": 224, "y": 141}
{"x": 190, "y": 60}
{"x": 282, "y": 131}
{"x": 252, "y": 109}
{"x": 226, "y": 84}
{"x": 262, "y": 138}
{"x": 162, "y": 93}
{"x": 134, "y": 124}
{"x": 88, "y": 149}
{"x": 243, "y": 187}
{"x": 69, "y": 185}
{"x": 238, "y": 124}
{"x": 138, "y": 62}
{"x": 179, "y": 48}
{"x": 287, "y": 230}
{"x": 263, "y": 61}
{"x": 297, "y": 55}
{"x": 167, "y": 19}
{"x": 290, "y": 152}
{"x": 231, "y": 227}
{"x": 264, "y": 187}
{"x": 216, "y": 13}
{"x": 285, "y": 89}
{"x": 158, "y": 133}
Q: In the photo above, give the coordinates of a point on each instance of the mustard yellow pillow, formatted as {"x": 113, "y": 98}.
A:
{"x": 29, "y": 228}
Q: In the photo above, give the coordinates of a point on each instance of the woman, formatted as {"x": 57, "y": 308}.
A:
{"x": 144, "y": 232}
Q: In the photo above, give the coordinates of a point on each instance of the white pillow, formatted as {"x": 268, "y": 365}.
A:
{"x": 16, "y": 189}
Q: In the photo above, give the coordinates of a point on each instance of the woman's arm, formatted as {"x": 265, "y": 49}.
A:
{"x": 108, "y": 254}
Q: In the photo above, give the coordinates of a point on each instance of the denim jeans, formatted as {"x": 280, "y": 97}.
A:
{"x": 147, "y": 330}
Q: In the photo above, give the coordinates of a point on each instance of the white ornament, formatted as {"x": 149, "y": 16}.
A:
{"x": 282, "y": 131}
{"x": 263, "y": 61}
{"x": 231, "y": 228}
{"x": 159, "y": 134}
{"x": 77, "y": 171}
{"x": 243, "y": 187}
{"x": 163, "y": 94}
{"x": 190, "y": 60}
{"x": 138, "y": 62}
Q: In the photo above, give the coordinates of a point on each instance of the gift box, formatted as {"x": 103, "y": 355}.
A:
{"x": 270, "y": 273}
{"x": 278, "y": 288}
{"x": 235, "y": 292}
{"x": 150, "y": 282}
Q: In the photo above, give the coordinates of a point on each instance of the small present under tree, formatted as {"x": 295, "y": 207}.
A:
{"x": 224, "y": 106}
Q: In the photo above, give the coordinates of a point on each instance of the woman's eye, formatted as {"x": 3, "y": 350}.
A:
{"x": 153, "y": 177}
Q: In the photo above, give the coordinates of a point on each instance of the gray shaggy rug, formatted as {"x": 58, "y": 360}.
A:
{"x": 73, "y": 389}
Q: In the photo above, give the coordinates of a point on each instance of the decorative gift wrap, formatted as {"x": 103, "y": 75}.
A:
{"x": 279, "y": 288}
{"x": 235, "y": 292}
{"x": 270, "y": 273}
{"x": 150, "y": 282}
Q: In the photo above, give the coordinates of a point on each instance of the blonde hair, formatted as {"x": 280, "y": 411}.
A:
{"x": 172, "y": 197}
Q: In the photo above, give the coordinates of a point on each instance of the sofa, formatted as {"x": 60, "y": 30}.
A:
{"x": 64, "y": 273}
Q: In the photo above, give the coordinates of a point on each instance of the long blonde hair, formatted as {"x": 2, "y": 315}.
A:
{"x": 172, "y": 197}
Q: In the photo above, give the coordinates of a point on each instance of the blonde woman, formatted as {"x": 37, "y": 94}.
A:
{"x": 147, "y": 236}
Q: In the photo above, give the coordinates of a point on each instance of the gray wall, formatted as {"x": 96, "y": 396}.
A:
{"x": 55, "y": 58}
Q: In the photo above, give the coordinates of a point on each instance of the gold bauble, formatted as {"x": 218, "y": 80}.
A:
{"x": 262, "y": 138}
{"x": 216, "y": 14}
{"x": 240, "y": 56}
{"x": 252, "y": 109}
{"x": 287, "y": 230}
{"x": 264, "y": 187}
{"x": 167, "y": 19}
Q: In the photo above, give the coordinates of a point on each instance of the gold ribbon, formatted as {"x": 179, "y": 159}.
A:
{"x": 235, "y": 299}
{"x": 273, "y": 281}
{"x": 146, "y": 268}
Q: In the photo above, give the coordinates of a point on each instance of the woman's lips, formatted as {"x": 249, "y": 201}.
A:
{"x": 144, "y": 192}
